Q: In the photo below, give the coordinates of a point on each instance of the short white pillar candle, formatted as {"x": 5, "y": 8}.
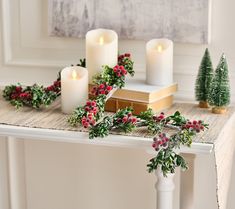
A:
{"x": 101, "y": 49}
{"x": 159, "y": 62}
{"x": 74, "y": 88}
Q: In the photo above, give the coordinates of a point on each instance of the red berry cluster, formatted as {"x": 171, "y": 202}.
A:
{"x": 160, "y": 141}
{"x": 89, "y": 120}
{"x": 101, "y": 89}
{"x": 91, "y": 107}
{"x": 159, "y": 118}
{"x": 129, "y": 118}
{"x": 194, "y": 125}
{"x": 122, "y": 57}
{"x": 55, "y": 87}
{"x": 18, "y": 94}
{"x": 119, "y": 70}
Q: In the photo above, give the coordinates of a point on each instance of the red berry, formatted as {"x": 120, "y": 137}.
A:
{"x": 93, "y": 103}
{"x": 102, "y": 86}
{"x": 160, "y": 117}
{"x": 129, "y": 114}
{"x": 134, "y": 120}
{"x": 121, "y": 68}
{"x": 14, "y": 96}
{"x": 109, "y": 88}
{"x": 95, "y": 109}
{"x": 88, "y": 103}
{"x": 124, "y": 72}
{"x": 102, "y": 92}
{"x": 124, "y": 119}
{"x": 115, "y": 68}
{"x": 18, "y": 89}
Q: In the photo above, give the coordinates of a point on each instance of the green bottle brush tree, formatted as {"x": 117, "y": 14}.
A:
{"x": 219, "y": 97}
{"x": 203, "y": 81}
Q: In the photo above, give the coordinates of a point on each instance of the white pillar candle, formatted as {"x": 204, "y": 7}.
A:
{"x": 101, "y": 49}
{"x": 74, "y": 88}
{"x": 159, "y": 62}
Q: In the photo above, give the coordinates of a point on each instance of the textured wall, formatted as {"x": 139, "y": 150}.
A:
{"x": 181, "y": 21}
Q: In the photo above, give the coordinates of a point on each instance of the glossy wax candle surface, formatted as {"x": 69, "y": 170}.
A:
{"x": 101, "y": 49}
{"x": 74, "y": 88}
{"x": 159, "y": 62}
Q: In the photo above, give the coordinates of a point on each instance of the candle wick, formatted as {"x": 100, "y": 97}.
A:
{"x": 74, "y": 75}
{"x": 101, "y": 40}
{"x": 159, "y": 48}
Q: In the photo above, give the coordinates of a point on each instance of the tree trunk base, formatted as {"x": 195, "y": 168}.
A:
{"x": 219, "y": 110}
{"x": 203, "y": 104}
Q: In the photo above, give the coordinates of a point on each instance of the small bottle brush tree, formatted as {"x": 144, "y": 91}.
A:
{"x": 220, "y": 90}
{"x": 203, "y": 82}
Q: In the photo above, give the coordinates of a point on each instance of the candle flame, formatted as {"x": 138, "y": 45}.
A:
{"x": 159, "y": 48}
{"x": 101, "y": 40}
{"x": 74, "y": 75}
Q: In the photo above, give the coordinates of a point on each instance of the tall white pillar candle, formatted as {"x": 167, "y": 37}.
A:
{"x": 101, "y": 49}
{"x": 159, "y": 62}
{"x": 74, "y": 88}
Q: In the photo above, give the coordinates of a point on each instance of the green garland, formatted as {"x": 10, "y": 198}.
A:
{"x": 91, "y": 115}
{"x": 166, "y": 156}
{"x": 34, "y": 96}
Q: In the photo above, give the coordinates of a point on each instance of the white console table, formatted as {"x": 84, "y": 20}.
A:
{"x": 51, "y": 124}
{"x": 164, "y": 186}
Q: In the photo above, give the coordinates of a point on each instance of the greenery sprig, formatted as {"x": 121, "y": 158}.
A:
{"x": 34, "y": 96}
{"x": 165, "y": 146}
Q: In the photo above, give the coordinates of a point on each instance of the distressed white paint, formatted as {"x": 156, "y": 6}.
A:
{"x": 181, "y": 21}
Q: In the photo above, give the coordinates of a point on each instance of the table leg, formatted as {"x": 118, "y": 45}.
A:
{"x": 165, "y": 187}
{"x": 16, "y": 163}
{"x": 187, "y": 184}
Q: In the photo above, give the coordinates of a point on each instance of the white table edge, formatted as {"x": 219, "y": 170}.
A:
{"x": 82, "y": 138}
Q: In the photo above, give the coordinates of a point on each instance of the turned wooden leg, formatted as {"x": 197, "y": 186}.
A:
{"x": 165, "y": 187}
{"x": 16, "y": 163}
{"x": 187, "y": 184}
